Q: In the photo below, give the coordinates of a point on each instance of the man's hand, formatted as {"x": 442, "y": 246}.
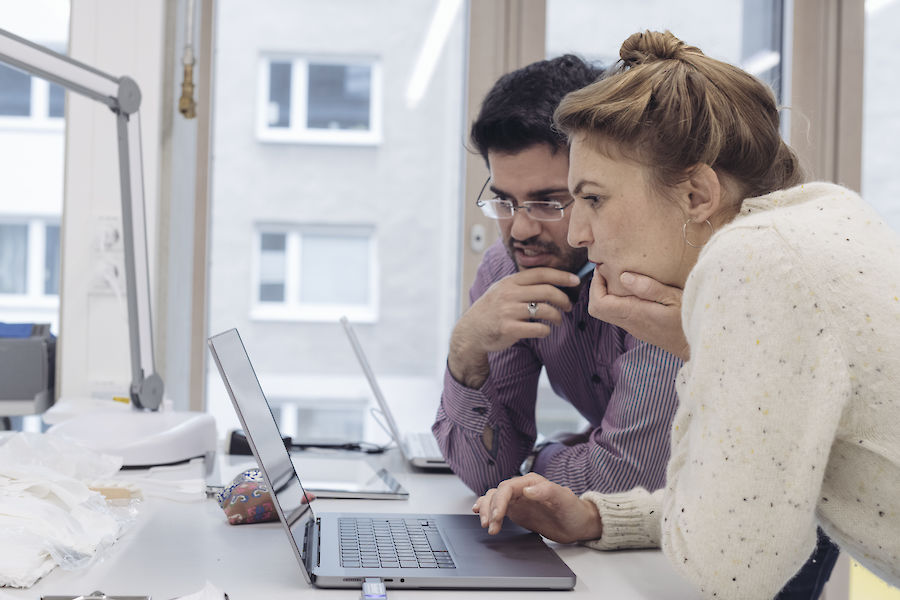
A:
{"x": 652, "y": 314}
{"x": 540, "y": 505}
{"x": 501, "y": 317}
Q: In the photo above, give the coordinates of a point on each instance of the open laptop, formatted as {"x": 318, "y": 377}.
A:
{"x": 339, "y": 550}
{"x": 419, "y": 447}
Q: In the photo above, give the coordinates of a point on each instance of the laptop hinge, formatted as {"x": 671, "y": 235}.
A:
{"x": 310, "y": 545}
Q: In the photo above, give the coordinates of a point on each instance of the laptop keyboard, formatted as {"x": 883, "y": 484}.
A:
{"x": 392, "y": 543}
{"x": 423, "y": 444}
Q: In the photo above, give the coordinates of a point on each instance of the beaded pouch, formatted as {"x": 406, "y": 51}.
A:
{"x": 246, "y": 499}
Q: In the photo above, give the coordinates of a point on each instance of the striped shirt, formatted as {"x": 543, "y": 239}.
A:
{"x": 624, "y": 387}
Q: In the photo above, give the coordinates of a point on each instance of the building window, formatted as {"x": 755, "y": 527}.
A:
{"x": 315, "y": 273}
{"x": 31, "y": 101}
{"x": 272, "y": 267}
{"x": 29, "y": 262}
{"x": 13, "y": 259}
{"x": 339, "y": 97}
{"x": 56, "y": 102}
{"x": 312, "y": 100}
{"x": 15, "y": 92}
{"x": 278, "y": 106}
{"x": 51, "y": 260}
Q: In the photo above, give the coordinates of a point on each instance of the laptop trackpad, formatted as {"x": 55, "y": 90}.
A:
{"x": 518, "y": 549}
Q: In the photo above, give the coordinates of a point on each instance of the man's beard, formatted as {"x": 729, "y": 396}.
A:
{"x": 572, "y": 259}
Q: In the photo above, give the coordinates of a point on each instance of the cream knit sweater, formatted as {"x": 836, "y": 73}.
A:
{"x": 790, "y": 403}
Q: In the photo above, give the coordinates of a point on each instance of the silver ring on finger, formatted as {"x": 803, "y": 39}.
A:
{"x": 532, "y": 310}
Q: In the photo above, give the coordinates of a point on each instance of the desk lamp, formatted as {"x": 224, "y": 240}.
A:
{"x": 144, "y": 436}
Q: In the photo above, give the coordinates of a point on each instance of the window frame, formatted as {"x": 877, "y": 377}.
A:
{"x": 292, "y": 309}
{"x": 298, "y": 132}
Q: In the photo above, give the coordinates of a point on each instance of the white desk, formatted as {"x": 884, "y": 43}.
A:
{"x": 174, "y": 548}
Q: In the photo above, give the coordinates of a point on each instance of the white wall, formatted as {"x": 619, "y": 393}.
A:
{"x": 120, "y": 37}
{"x": 35, "y": 189}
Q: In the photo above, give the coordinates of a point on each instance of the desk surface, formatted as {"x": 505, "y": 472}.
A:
{"x": 173, "y": 548}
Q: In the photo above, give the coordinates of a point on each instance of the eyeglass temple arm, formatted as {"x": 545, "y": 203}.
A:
{"x": 478, "y": 200}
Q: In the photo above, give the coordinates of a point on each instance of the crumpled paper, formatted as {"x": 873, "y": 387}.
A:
{"x": 48, "y": 515}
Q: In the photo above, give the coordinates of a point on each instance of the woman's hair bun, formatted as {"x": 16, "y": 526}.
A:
{"x": 651, "y": 46}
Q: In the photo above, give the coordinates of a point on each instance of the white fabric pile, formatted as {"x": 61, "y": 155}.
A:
{"x": 48, "y": 515}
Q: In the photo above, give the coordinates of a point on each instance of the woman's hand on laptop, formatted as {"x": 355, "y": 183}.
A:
{"x": 542, "y": 506}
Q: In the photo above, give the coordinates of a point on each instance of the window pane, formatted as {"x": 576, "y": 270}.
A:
{"x": 881, "y": 120}
{"x": 280, "y": 94}
{"x": 274, "y": 242}
{"x": 763, "y": 31}
{"x": 335, "y": 184}
{"x": 272, "y": 267}
{"x": 747, "y": 33}
{"x": 57, "y": 101}
{"x": 13, "y": 259}
{"x": 51, "y": 260}
{"x": 339, "y": 96}
{"x": 15, "y": 92}
{"x": 334, "y": 269}
{"x": 271, "y": 292}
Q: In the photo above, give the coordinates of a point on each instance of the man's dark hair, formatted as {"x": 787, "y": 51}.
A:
{"x": 518, "y": 111}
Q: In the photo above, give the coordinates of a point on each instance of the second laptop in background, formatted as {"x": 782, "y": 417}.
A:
{"x": 419, "y": 448}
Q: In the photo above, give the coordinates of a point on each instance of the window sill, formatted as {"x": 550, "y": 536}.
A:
{"x": 32, "y": 124}
{"x": 24, "y": 301}
{"x": 333, "y": 138}
{"x": 318, "y": 314}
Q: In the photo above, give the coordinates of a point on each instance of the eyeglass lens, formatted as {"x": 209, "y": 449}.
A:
{"x": 503, "y": 209}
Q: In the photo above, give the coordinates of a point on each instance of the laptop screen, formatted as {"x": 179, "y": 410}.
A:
{"x": 262, "y": 432}
{"x": 373, "y": 383}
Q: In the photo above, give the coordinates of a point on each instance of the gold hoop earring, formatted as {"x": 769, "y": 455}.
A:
{"x": 684, "y": 232}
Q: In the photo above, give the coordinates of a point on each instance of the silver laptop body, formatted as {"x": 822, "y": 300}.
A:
{"x": 419, "y": 448}
{"x": 467, "y": 557}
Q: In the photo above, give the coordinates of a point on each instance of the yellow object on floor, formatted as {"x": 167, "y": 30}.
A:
{"x": 864, "y": 585}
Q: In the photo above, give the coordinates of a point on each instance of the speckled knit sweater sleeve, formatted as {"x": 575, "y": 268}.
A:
{"x": 630, "y": 519}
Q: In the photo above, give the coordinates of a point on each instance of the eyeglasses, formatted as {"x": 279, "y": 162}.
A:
{"x": 539, "y": 210}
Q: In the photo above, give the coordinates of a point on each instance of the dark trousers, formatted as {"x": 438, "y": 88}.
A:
{"x": 807, "y": 584}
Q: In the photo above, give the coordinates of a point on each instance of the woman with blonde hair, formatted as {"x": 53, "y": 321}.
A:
{"x": 789, "y": 414}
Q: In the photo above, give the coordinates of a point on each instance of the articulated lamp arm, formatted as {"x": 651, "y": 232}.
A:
{"x": 123, "y": 97}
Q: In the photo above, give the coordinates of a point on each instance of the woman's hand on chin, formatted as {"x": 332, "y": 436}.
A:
{"x": 651, "y": 313}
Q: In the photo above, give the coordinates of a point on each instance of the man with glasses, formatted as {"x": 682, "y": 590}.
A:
{"x": 529, "y": 312}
